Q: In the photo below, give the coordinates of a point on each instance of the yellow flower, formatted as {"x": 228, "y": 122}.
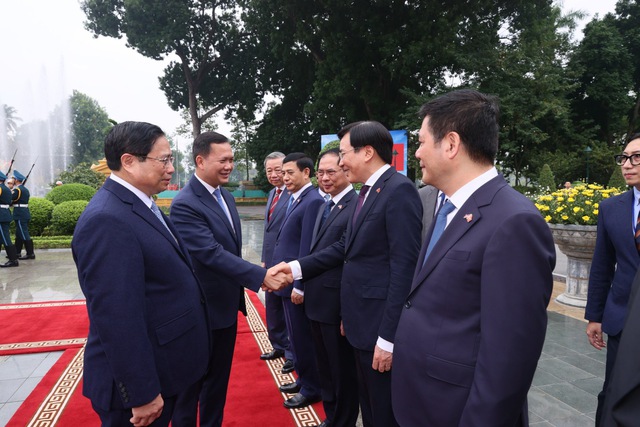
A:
{"x": 560, "y": 199}
{"x": 571, "y": 200}
{"x": 547, "y": 218}
{"x": 586, "y": 218}
{"x": 577, "y": 209}
{"x": 595, "y": 212}
{"x": 564, "y": 217}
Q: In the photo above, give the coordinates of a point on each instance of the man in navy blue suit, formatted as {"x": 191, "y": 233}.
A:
{"x": 615, "y": 262}
{"x": 293, "y": 241}
{"x": 474, "y": 321}
{"x": 148, "y": 337}
{"x": 273, "y": 216}
{"x": 336, "y": 363}
{"x": 206, "y": 217}
{"x": 379, "y": 252}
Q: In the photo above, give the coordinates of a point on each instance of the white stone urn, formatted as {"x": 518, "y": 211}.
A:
{"x": 577, "y": 242}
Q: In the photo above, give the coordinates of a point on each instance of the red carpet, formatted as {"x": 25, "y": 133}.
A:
{"x": 39, "y": 327}
{"x": 253, "y": 397}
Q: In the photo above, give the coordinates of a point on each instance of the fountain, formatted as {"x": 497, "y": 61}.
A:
{"x": 43, "y": 138}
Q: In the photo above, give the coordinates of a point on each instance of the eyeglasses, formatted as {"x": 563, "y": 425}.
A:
{"x": 622, "y": 158}
{"x": 164, "y": 160}
{"x": 330, "y": 172}
{"x": 342, "y": 153}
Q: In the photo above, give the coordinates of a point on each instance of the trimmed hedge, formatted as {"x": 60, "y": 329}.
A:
{"x": 40, "y": 210}
{"x": 68, "y": 192}
{"x": 52, "y": 242}
{"x": 65, "y": 216}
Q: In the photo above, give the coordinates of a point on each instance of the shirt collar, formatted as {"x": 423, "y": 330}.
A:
{"x": 145, "y": 199}
{"x": 461, "y": 196}
{"x": 342, "y": 194}
{"x": 209, "y": 188}
{"x": 295, "y": 195}
{"x": 376, "y": 175}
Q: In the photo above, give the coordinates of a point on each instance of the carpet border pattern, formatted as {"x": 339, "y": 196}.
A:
{"x": 303, "y": 417}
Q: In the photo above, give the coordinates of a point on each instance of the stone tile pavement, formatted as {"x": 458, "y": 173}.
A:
{"x": 563, "y": 394}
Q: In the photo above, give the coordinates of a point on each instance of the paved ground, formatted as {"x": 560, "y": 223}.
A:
{"x": 564, "y": 390}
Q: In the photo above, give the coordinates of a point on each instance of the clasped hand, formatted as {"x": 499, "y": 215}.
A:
{"x": 277, "y": 277}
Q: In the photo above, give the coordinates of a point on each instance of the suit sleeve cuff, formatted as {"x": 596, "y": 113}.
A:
{"x": 296, "y": 270}
{"x": 385, "y": 345}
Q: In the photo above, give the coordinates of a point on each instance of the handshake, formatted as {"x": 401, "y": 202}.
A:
{"x": 277, "y": 277}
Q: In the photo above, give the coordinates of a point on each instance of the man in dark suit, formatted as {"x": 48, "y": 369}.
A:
{"x": 474, "y": 321}
{"x": 294, "y": 240}
{"x": 206, "y": 217}
{"x": 622, "y": 405}
{"x": 273, "y": 216}
{"x": 334, "y": 355}
{"x": 148, "y": 337}
{"x": 429, "y": 198}
{"x": 379, "y": 252}
{"x": 615, "y": 262}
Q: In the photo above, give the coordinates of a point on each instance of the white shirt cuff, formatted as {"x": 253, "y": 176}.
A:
{"x": 298, "y": 291}
{"x": 385, "y": 345}
{"x": 296, "y": 270}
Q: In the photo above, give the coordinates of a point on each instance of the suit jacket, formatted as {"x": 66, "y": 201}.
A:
{"x": 379, "y": 253}
{"x": 216, "y": 251}
{"x": 429, "y": 198}
{"x": 615, "y": 262}
{"x": 271, "y": 228}
{"x": 294, "y": 237}
{"x": 474, "y": 322}
{"x": 622, "y": 402}
{"x": 322, "y": 293}
{"x": 148, "y": 323}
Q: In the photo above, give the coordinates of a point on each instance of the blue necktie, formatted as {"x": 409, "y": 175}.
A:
{"x": 438, "y": 229}
{"x": 218, "y": 195}
{"x": 327, "y": 210}
{"x": 289, "y": 205}
{"x": 156, "y": 211}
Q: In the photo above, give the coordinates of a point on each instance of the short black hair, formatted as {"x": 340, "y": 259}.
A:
{"x": 135, "y": 138}
{"x": 335, "y": 151}
{"x": 471, "y": 114}
{"x": 202, "y": 144}
{"x": 370, "y": 133}
{"x": 302, "y": 161}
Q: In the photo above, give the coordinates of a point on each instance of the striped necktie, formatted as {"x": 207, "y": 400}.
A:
{"x": 637, "y": 234}
{"x": 274, "y": 202}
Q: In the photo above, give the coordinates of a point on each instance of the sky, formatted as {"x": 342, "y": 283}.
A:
{"x": 46, "y": 54}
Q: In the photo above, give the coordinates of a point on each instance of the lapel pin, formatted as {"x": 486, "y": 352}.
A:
{"x": 378, "y": 190}
{"x": 468, "y": 217}
{"x": 339, "y": 206}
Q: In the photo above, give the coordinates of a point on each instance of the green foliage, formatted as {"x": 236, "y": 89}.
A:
{"x": 52, "y": 242}
{"x": 546, "y": 181}
{"x": 65, "y": 216}
{"x": 617, "y": 180}
{"x": 68, "y": 192}
{"x": 90, "y": 124}
{"x": 82, "y": 174}
{"x": 40, "y": 210}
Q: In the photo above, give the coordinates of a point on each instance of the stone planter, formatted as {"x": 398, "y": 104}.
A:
{"x": 577, "y": 242}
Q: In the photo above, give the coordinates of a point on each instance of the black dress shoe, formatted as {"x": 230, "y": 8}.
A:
{"x": 299, "y": 401}
{"x": 290, "y": 388}
{"x": 13, "y": 263}
{"x": 273, "y": 354}
{"x": 287, "y": 367}
{"x": 27, "y": 256}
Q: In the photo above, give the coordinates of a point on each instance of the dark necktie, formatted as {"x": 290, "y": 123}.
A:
{"x": 274, "y": 202}
{"x": 361, "y": 196}
{"x": 327, "y": 210}
{"x": 438, "y": 229}
{"x": 637, "y": 235}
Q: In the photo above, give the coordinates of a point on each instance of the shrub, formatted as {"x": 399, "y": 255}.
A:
{"x": 65, "y": 216}
{"x": 82, "y": 174}
{"x": 546, "y": 181}
{"x": 68, "y": 192}
{"x": 40, "y": 210}
{"x": 617, "y": 180}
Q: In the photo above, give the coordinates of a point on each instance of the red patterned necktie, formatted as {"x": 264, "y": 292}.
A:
{"x": 274, "y": 202}
{"x": 637, "y": 235}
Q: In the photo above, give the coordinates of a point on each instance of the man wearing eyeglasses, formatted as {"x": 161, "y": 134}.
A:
{"x": 206, "y": 217}
{"x": 379, "y": 253}
{"x": 148, "y": 336}
{"x": 615, "y": 262}
{"x": 336, "y": 364}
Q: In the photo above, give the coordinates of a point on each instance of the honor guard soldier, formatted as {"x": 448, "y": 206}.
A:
{"x": 5, "y": 221}
{"x": 21, "y": 216}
